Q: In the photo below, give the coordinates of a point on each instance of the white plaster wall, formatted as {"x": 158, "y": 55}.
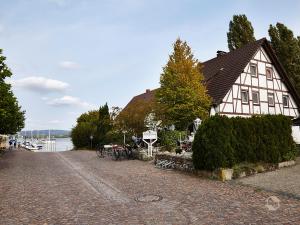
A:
{"x": 261, "y": 67}
{"x": 263, "y": 86}
{"x": 296, "y": 134}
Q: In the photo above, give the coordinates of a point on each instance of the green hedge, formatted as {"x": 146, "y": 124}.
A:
{"x": 222, "y": 142}
{"x": 168, "y": 138}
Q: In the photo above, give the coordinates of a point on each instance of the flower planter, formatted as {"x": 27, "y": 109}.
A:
{"x": 226, "y": 174}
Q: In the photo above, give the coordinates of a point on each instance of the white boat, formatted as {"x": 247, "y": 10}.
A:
{"x": 30, "y": 146}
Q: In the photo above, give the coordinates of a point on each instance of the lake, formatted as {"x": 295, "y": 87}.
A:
{"x": 63, "y": 144}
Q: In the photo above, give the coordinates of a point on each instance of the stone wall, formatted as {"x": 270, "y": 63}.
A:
{"x": 181, "y": 162}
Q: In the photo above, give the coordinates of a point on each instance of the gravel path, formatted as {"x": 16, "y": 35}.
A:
{"x": 79, "y": 188}
{"x": 285, "y": 181}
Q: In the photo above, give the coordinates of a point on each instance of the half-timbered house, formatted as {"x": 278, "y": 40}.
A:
{"x": 250, "y": 81}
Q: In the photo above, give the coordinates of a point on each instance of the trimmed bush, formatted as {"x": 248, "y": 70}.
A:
{"x": 168, "y": 138}
{"x": 222, "y": 142}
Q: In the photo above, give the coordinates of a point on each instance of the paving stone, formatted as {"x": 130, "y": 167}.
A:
{"x": 285, "y": 181}
{"x": 77, "y": 187}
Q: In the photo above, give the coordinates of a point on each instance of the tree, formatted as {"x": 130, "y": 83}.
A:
{"x": 11, "y": 116}
{"x": 104, "y": 124}
{"x": 182, "y": 96}
{"x": 85, "y": 127}
{"x": 90, "y": 117}
{"x": 80, "y": 135}
{"x": 287, "y": 49}
{"x": 240, "y": 32}
{"x": 132, "y": 118}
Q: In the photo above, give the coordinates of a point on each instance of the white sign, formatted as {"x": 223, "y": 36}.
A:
{"x": 150, "y": 134}
{"x": 150, "y": 137}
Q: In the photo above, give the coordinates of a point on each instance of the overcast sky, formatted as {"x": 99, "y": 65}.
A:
{"x": 70, "y": 56}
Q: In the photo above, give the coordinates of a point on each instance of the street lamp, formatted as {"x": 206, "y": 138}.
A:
{"x": 91, "y": 137}
{"x": 197, "y": 123}
{"x": 124, "y": 136}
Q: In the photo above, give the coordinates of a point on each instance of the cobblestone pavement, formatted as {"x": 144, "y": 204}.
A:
{"x": 79, "y": 188}
{"x": 285, "y": 181}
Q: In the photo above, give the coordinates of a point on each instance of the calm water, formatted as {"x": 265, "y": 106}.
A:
{"x": 63, "y": 144}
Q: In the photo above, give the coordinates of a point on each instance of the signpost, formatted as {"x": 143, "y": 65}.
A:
{"x": 150, "y": 137}
{"x": 91, "y": 137}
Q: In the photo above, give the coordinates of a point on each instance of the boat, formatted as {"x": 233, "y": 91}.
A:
{"x": 29, "y": 146}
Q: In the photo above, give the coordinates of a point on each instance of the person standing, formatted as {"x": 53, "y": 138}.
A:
{"x": 10, "y": 144}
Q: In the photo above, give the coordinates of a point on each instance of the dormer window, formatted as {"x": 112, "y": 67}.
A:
{"x": 269, "y": 73}
{"x": 253, "y": 70}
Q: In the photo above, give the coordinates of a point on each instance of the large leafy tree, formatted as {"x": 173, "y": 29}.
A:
{"x": 99, "y": 124}
{"x": 182, "y": 96}
{"x": 85, "y": 127}
{"x": 240, "y": 32}
{"x": 12, "y": 118}
{"x": 287, "y": 48}
{"x": 132, "y": 118}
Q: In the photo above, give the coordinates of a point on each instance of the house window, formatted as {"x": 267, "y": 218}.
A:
{"x": 253, "y": 70}
{"x": 255, "y": 97}
{"x": 269, "y": 73}
{"x": 285, "y": 100}
{"x": 271, "y": 99}
{"x": 245, "y": 98}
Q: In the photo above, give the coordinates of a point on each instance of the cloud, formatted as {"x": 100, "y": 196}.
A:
{"x": 40, "y": 84}
{"x": 69, "y": 101}
{"x": 69, "y": 65}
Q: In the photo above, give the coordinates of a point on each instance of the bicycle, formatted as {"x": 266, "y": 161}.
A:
{"x": 100, "y": 151}
{"x": 116, "y": 152}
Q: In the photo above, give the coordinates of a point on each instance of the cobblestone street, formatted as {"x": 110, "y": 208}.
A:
{"x": 284, "y": 181}
{"x": 78, "y": 188}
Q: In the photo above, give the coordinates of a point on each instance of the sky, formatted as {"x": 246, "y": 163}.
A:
{"x": 71, "y": 56}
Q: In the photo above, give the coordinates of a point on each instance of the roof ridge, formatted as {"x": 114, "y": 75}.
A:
{"x": 260, "y": 41}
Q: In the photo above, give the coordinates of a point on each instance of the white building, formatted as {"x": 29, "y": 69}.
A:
{"x": 248, "y": 81}
{"x": 251, "y": 81}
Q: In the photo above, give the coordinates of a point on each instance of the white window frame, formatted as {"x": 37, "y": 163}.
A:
{"x": 247, "y": 95}
{"x": 253, "y": 65}
{"x": 287, "y": 100}
{"x": 258, "y": 99}
{"x": 271, "y": 95}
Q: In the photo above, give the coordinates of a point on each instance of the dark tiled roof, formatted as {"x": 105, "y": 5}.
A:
{"x": 221, "y": 72}
{"x": 148, "y": 96}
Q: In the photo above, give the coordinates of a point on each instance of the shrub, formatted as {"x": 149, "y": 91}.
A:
{"x": 168, "y": 139}
{"x": 212, "y": 144}
{"x": 222, "y": 142}
{"x": 80, "y": 135}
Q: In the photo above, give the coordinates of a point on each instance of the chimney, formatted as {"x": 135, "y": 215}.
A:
{"x": 147, "y": 91}
{"x": 220, "y": 53}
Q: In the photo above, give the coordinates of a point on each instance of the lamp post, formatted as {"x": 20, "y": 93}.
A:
{"x": 197, "y": 123}
{"x": 124, "y": 136}
{"x": 91, "y": 138}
